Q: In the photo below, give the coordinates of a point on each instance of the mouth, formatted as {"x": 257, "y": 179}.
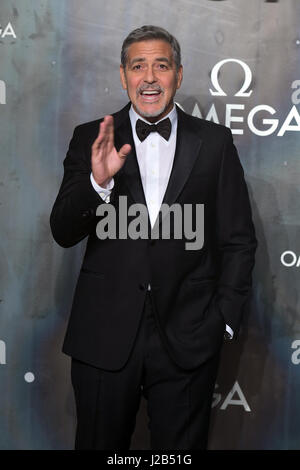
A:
{"x": 150, "y": 96}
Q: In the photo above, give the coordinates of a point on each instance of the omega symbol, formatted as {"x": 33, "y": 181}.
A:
{"x": 215, "y": 81}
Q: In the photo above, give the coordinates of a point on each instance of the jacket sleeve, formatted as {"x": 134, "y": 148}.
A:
{"x": 73, "y": 215}
{"x": 235, "y": 237}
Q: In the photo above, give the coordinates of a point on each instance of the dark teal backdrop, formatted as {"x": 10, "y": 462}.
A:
{"x": 60, "y": 67}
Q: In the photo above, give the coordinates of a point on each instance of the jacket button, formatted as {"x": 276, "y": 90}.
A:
{"x": 142, "y": 286}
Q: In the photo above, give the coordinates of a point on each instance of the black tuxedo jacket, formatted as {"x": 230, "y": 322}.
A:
{"x": 195, "y": 293}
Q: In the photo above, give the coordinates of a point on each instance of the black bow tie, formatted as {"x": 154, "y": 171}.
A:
{"x": 143, "y": 129}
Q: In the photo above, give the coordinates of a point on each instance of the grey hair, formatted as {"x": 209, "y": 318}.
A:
{"x": 148, "y": 32}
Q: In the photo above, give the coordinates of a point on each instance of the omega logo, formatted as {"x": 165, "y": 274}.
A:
{"x": 7, "y": 31}
{"x": 289, "y": 258}
{"x": 255, "y": 120}
{"x": 240, "y": 399}
{"x": 215, "y": 80}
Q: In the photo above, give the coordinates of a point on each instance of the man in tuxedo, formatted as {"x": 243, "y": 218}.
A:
{"x": 149, "y": 316}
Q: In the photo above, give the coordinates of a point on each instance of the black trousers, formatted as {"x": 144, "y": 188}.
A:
{"x": 178, "y": 401}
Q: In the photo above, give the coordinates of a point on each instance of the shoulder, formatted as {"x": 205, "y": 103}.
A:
{"x": 88, "y": 127}
{"x": 91, "y": 128}
{"x": 207, "y": 129}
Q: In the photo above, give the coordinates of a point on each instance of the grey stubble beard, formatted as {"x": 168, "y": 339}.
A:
{"x": 153, "y": 114}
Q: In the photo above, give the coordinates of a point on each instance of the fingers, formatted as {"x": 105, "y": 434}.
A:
{"x": 104, "y": 143}
{"x": 124, "y": 151}
{"x": 109, "y": 122}
{"x": 106, "y": 133}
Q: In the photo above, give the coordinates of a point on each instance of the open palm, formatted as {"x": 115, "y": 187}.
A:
{"x": 106, "y": 161}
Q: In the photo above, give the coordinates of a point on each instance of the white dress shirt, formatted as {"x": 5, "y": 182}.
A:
{"x": 155, "y": 157}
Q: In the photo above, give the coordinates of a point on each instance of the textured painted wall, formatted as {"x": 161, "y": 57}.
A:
{"x": 59, "y": 67}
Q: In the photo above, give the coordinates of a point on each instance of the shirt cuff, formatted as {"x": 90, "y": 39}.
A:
{"x": 104, "y": 193}
{"x": 229, "y": 330}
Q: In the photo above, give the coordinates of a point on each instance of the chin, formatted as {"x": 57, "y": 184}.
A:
{"x": 150, "y": 114}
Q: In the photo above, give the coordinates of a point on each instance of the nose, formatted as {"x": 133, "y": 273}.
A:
{"x": 149, "y": 75}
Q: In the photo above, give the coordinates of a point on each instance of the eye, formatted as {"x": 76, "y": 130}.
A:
{"x": 162, "y": 66}
{"x": 137, "y": 67}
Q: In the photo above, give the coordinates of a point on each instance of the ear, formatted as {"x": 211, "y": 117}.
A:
{"x": 179, "y": 76}
{"x": 123, "y": 77}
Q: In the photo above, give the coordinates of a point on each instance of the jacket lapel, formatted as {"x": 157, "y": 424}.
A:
{"x": 188, "y": 145}
{"x": 187, "y": 150}
{"x": 131, "y": 171}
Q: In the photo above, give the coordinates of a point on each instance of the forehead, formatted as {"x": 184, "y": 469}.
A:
{"x": 155, "y": 48}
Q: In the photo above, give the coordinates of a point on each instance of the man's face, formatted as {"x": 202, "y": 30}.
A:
{"x": 150, "y": 78}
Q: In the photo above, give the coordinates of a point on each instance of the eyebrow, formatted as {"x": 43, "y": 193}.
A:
{"x": 158, "y": 59}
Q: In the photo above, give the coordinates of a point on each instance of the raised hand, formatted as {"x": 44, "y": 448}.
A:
{"x": 106, "y": 161}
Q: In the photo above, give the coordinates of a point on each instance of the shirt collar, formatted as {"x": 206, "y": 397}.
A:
{"x": 134, "y": 116}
